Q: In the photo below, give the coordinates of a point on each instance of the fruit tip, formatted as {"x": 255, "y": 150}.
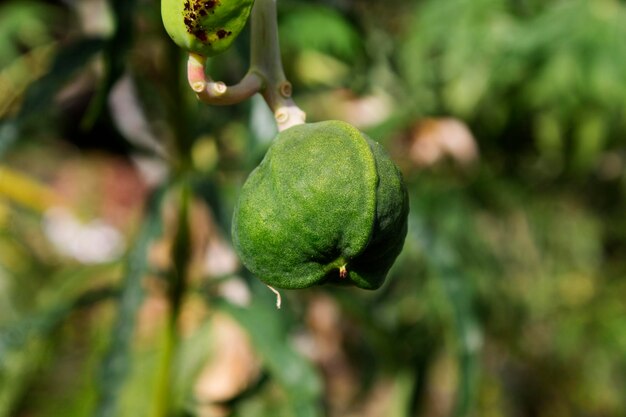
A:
{"x": 343, "y": 272}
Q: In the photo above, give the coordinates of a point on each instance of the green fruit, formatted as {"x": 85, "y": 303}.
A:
{"x": 326, "y": 205}
{"x": 205, "y": 27}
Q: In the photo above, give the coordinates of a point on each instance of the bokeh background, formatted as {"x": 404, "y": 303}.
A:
{"x": 120, "y": 294}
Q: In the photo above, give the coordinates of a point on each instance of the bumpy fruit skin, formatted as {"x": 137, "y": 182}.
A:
{"x": 205, "y": 27}
{"x": 326, "y": 205}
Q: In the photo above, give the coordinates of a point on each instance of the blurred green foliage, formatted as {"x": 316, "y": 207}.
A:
{"x": 507, "y": 119}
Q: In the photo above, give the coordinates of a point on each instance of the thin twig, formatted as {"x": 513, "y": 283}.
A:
{"x": 278, "y": 297}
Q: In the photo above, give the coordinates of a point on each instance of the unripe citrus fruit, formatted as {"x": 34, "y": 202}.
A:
{"x": 326, "y": 205}
{"x": 205, "y": 27}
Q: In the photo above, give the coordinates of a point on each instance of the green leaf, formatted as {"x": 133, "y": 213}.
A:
{"x": 321, "y": 29}
{"x": 118, "y": 358}
{"x": 440, "y": 237}
{"x": 24, "y": 24}
{"x": 295, "y": 374}
{"x": 24, "y": 342}
{"x": 39, "y": 96}
{"x": 69, "y": 60}
{"x": 115, "y": 55}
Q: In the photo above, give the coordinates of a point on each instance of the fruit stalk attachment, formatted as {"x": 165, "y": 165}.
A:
{"x": 265, "y": 76}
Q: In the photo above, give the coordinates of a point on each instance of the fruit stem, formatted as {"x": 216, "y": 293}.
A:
{"x": 212, "y": 92}
{"x": 265, "y": 59}
{"x": 265, "y": 76}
